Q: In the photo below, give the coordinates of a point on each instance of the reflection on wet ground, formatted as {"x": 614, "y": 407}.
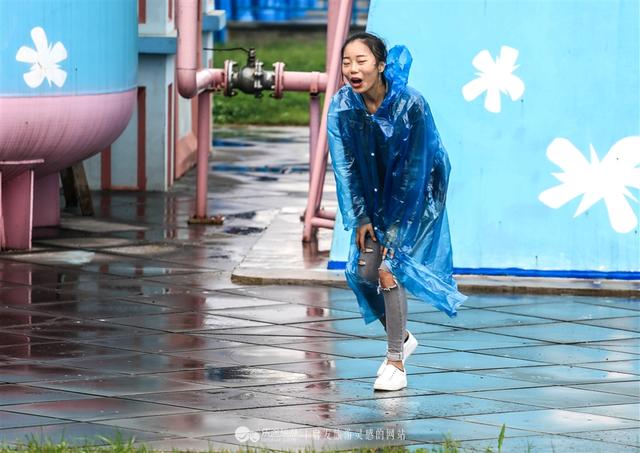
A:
{"x": 129, "y": 322}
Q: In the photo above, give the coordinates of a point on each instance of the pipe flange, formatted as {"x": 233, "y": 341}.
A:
{"x": 314, "y": 87}
{"x": 257, "y": 79}
{"x": 227, "y": 81}
{"x": 278, "y": 87}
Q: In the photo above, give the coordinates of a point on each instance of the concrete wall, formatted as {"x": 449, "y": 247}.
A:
{"x": 118, "y": 167}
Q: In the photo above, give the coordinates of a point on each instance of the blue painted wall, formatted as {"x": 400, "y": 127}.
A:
{"x": 100, "y": 38}
{"x": 579, "y": 65}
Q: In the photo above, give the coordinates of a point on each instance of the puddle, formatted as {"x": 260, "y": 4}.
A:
{"x": 243, "y": 230}
{"x": 282, "y": 169}
{"x": 266, "y": 178}
{"x": 220, "y": 256}
{"x": 221, "y": 143}
{"x": 225, "y": 138}
{"x": 243, "y": 215}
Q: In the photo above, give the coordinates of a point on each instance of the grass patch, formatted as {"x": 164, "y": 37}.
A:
{"x": 300, "y": 52}
{"x": 120, "y": 445}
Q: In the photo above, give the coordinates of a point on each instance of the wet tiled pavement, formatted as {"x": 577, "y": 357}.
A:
{"x": 130, "y": 323}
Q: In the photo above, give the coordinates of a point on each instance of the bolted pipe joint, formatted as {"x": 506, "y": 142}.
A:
{"x": 250, "y": 79}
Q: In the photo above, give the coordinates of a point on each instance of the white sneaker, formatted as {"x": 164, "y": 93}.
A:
{"x": 391, "y": 378}
{"x": 408, "y": 347}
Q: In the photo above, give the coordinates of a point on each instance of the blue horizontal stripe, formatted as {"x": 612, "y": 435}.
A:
{"x": 517, "y": 272}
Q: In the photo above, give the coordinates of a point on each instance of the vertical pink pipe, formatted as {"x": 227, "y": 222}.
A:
{"x": 320, "y": 156}
{"x": 186, "y": 55}
{"x": 204, "y": 143}
{"x": 342, "y": 26}
{"x": 314, "y": 127}
{"x": 332, "y": 22}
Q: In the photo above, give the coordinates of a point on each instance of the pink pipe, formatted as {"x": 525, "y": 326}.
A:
{"x": 324, "y": 214}
{"x": 190, "y": 80}
{"x": 313, "y": 82}
{"x": 322, "y": 223}
{"x": 320, "y": 157}
{"x": 186, "y": 55}
{"x": 209, "y": 77}
{"x": 204, "y": 140}
{"x": 314, "y": 127}
{"x": 344, "y": 27}
{"x": 332, "y": 21}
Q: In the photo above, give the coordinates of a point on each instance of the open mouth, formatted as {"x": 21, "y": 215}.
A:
{"x": 355, "y": 82}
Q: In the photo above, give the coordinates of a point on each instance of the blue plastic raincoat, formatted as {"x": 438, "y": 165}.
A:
{"x": 392, "y": 171}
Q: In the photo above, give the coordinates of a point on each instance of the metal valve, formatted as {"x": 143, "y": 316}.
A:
{"x": 251, "y": 78}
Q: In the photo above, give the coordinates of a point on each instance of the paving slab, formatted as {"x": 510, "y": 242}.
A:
{"x": 614, "y": 437}
{"x": 553, "y": 421}
{"x": 24, "y": 394}
{"x": 564, "y": 332}
{"x": 221, "y": 399}
{"x": 557, "y": 397}
{"x": 122, "y": 385}
{"x": 93, "y": 409}
{"x": 621, "y": 366}
{"x": 558, "y": 374}
{"x": 568, "y": 354}
{"x": 627, "y": 411}
{"x": 197, "y": 424}
{"x": 546, "y": 443}
{"x": 77, "y": 434}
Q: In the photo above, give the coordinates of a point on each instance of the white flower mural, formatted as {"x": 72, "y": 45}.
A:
{"x": 494, "y": 78}
{"x": 44, "y": 60}
{"x": 607, "y": 179}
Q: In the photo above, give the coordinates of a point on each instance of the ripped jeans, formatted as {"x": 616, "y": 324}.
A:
{"x": 395, "y": 298}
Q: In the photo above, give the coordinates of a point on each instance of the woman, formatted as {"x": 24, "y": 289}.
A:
{"x": 391, "y": 174}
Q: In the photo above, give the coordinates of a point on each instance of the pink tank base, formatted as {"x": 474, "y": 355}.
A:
{"x": 39, "y": 136}
{"x": 46, "y": 201}
{"x": 62, "y": 130}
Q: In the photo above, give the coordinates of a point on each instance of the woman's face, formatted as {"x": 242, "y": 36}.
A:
{"x": 359, "y": 67}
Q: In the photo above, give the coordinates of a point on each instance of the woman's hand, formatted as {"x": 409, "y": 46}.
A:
{"x": 361, "y": 235}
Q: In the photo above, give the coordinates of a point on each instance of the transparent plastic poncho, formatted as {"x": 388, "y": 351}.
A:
{"x": 392, "y": 170}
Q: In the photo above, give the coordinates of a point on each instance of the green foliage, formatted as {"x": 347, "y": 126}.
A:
{"x": 300, "y": 52}
{"x": 501, "y": 438}
{"x": 120, "y": 445}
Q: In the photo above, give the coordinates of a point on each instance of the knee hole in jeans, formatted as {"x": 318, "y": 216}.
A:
{"x": 386, "y": 280}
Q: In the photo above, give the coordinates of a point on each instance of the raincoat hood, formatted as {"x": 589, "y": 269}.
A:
{"x": 397, "y": 68}
{"x": 396, "y": 74}
{"x": 392, "y": 171}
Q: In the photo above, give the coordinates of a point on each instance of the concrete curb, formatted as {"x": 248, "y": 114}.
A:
{"x": 280, "y": 258}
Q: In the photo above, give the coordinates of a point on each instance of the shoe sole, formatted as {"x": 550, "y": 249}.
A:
{"x": 389, "y": 389}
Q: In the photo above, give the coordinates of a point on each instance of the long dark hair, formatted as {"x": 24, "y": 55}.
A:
{"x": 375, "y": 44}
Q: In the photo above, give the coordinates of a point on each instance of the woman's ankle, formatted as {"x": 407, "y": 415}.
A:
{"x": 396, "y": 363}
